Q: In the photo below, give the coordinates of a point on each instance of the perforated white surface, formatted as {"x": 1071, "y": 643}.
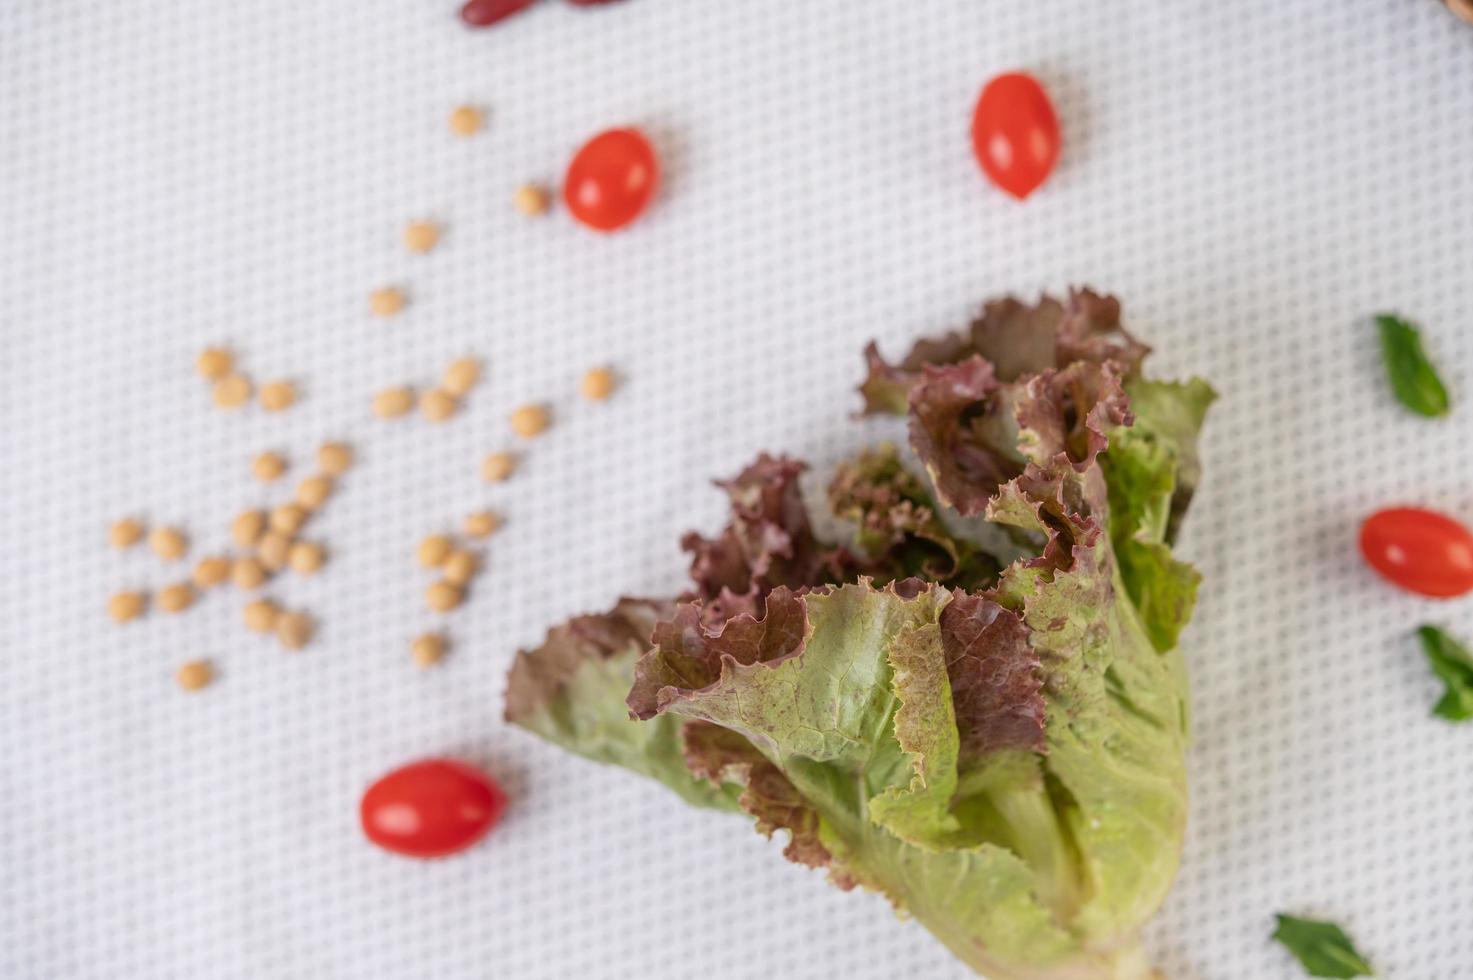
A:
{"x": 1253, "y": 178}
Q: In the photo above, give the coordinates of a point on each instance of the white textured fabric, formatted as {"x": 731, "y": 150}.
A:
{"x": 1253, "y": 179}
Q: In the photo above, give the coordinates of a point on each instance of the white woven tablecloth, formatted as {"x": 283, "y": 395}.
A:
{"x": 1254, "y": 179}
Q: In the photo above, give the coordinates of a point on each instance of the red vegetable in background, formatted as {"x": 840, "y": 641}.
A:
{"x": 431, "y": 808}
{"x": 484, "y": 13}
{"x": 1419, "y": 550}
{"x": 611, "y": 179}
{"x": 1015, "y": 133}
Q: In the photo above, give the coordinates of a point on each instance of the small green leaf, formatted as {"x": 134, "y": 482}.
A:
{"x": 1321, "y": 947}
{"x": 1453, "y": 665}
{"x": 1412, "y": 376}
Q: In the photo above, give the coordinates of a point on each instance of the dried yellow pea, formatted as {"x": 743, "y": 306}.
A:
{"x": 497, "y": 467}
{"x": 168, "y": 543}
{"x": 460, "y": 567}
{"x": 529, "y": 421}
{"x": 482, "y": 524}
{"x": 261, "y": 615}
{"x": 287, "y": 519}
{"x": 232, "y": 391}
{"x": 437, "y": 405}
{"x": 294, "y": 630}
{"x": 461, "y": 376}
{"x": 210, "y": 572}
{"x": 466, "y": 120}
{"x": 313, "y": 492}
{"x": 420, "y": 236}
{"x": 531, "y": 200}
{"x": 443, "y": 596}
{"x": 194, "y": 675}
{"x": 272, "y": 550}
{"x": 597, "y": 384}
{"x": 334, "y": 458}
{"x": 247, "y": 528}
{"x": 305, "y": 557}
{"x": 387, "y": 301}
{"x": 433, "y": 550}
{"x": 278, "y": 396}
{"x": 126, "y": 606}
{"x": 248, "y": 573}
{"x": 393, "y": 402}
{"x": 177, "y": 597}
{"x": 125, "y": 533}
{"x": 268, "y": 466}
{"x": 428, "y": 649}
{"x": 214, "y": 363}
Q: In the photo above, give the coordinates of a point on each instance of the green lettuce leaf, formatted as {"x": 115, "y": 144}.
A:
{"x": 1453, "y": 665}
{"x": 725, "y": 759}
{"x": 1322, "y": 948}
{"x": 856, "y": 710}
{"x": 953, "y": 797}
{"x": 571, "y": 691}
{"x": 1170, "y": 414}
{"x": 1413, "y": 379}
{"x": 1153, "y": 471}
{"x": 1117, "y": 733}
{"x": 996, "y": 744}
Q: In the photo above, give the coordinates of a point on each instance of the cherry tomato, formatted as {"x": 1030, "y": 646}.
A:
{"x": 1015, "y": 133}
{"x": 1420, "y": 550}
{"x": 611, "y": 179}
{"x": 484, "y": 13}
{"x": 431, "y": 808}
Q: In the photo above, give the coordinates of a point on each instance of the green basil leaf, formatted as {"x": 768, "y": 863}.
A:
{"x": 1453, "y": 665}
{"x": 1321, "y": 947}
{"x": 1412, "y": 376}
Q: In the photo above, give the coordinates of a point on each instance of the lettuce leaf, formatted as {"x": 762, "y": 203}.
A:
{"x": 1170, "y": 414}
{"x": 1017, "y": 340}
{"x": 898, "y": 527}
{"x": 996, "y": 746}
{"x": 961, "y": 428}
{"x": 1154, "y": 470}
{"x": 1452, "y": 664}
{"x": 856, "y": 710}
{"x": 1322, "y": 948}
{"x": 768, "y": 542}
{"x": 571, "y": 691}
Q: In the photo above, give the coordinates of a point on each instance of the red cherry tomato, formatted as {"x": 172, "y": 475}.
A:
{"x": 1420, "y": 550}
{"x": 431, "y": 808}
{"x": 484, "y": 13}
{"x": 1015, "y": 133}
{"x": 611, "y": 179}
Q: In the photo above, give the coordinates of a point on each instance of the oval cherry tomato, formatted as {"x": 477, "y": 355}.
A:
{"x": 431, "y": 808}
{"x": 1420, "y": 550}
{"x": 611, "y": 179}
{"x": 484, "y": 13}
{"x": 1015, "y": 133}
